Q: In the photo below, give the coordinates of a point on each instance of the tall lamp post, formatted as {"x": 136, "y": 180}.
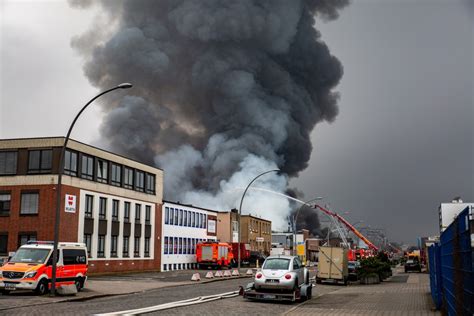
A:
{"x": 240, "y": 211}
{"x": 295, "y": 218}
{"x": 58, "y": 189}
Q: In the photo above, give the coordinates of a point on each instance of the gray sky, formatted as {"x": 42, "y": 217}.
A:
{"x": 402, "y": 143}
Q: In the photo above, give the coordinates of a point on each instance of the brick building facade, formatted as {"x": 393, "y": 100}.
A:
{"x": 114, "y": 203}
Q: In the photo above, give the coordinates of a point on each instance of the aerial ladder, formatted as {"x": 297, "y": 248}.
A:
{"x": 349, "y": 226}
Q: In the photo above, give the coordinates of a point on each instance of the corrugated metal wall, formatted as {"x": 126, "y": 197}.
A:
{"x": 456, "y": 255}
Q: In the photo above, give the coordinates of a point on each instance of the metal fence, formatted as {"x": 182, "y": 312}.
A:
{"x": 452, "y": 286}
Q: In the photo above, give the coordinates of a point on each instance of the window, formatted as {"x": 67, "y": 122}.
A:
{"x": 139, "y": 181}
{"x": 171, "y": 216}
{"x": 87, "y": 167}
{"x": 136, "y": 248}
{"x": 125, "y": 248}
{"x": 193, "y": 217}
{"x": 150, "y": 183}
{"x": 102, "y": 208}
{"x": 74, "y": 256}
{"x": 190, "y": 249}
{"x": 115, "y": 210}
{"x": 167, "y": 215}
{"x": 205, "y": 220}
{"x": 175, "y": 246}
{"x": 170, "y": 245}
{"x": 70, "y": 162}
{"x": 39, "y": 161}
{"x": 235, "y": 226}
{"x": 113, "y": 246}
{"x": 127, "y": 178}
{"x": 87, "y": 239}
{"x": 102, "y": 166}
{"x": 176, "y": 216}
{"x": 89, "y": 205}
{"x": 165, "y": 246}
{"x": 4, "y": 244}
{"x": 101, "y": 247}
{"x": 29, "y": 203}
{"x": 5, "y": 200}
{"x": 23, "y": 238}
{"x": 201, "y": 221}
{"x": 8, "y": 162}
{"x": 116, "y": 175}
{"x": 147, "y": 214}
{"x": 185, "y": 218}
{"x": 126, "y": 212}
{"x": 185, "y": 246}
{"x": 189, "y": 218}
{"x": 180, "y": 217}
{"x": 180, "y": 245}
{"x": 138, "y": 211}
{"x": 147, "y": 246}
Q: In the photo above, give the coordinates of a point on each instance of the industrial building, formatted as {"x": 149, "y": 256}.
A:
{"x": 183, "y": 227}
{"x": 109, "y": 202}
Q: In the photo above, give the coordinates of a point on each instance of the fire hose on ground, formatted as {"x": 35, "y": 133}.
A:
{"x": 191, "y": 301}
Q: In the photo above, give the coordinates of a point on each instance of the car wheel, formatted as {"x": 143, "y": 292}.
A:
{"x": 42, "y": 287}
{"x": 309, "y": 292}
{"x": 79, "y": 283}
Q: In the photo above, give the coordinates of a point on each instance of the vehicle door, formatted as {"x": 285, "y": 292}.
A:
{"x": 69, "y": 264}
{"x": 299, "y": 270}
{"x": 49, "y": 266}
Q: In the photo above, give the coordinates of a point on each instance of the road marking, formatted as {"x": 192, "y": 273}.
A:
{"x": 191, "y": 301}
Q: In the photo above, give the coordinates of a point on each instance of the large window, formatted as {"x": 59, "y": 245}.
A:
{"x": 147, "y": 246}
{"x": 102, "y": 208}
{"x": 89, "y": 205}
{"x": 3, "y": 244}
{"x": 29, "y": 203}
{"x": 5, "y": 200}
{"x": 113, "y": 246}
{"x": 127, "y": 178}
{"x": 70, "y": 162}
{"x": 23, "y": 238}
{"x": 180, "y": 245}
{"x": 39, "y": 161}
{"x": 101, "y": 246}
{"x": 180, "y": 217}
{"x": 74, "y": 256}
{"x": 139, "y": 181}
{"x": 126, "y": 212}
{"x": 165, "y": 246}
{"x": 102, "y": 175}
{"x": 150, "y": 183}
{"x": 185, "y": 221}
{"x": 8, "y": 162}
{"x": 88, "y": 241}
{"x": 136, "y": 247}
{"x": 138, "y": 211}
{"x": 116, "y": 175}
{"x": 175, "y": 245}
{"x": 147, "y": 214}
{"x": 125, "y": 246}
{"x": 87, "y": 168}
{"x": 167, "y": 215}
{"x": 176, "y": 215}
{"x": 171, "y": 216}
{"x": 115, "y": 210}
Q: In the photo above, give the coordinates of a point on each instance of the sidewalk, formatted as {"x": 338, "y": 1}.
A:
{"x": 402, "y": 294}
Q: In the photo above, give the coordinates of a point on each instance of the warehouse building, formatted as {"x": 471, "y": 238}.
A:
{"x": 109, "y": 202}
{"x": 183, "y": 227}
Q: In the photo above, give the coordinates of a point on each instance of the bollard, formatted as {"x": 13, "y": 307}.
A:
{"x": 218, "y": 274}
{"x": 227, "y": 273}
{"x": 235, "y": 272}
{"x": 196, "y": 277}
{"x": 209, "y": 275}
{"x": 249, "y": 272}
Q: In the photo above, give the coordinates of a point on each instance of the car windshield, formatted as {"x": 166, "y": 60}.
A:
{"x": 276, "y": 264}
{"x": 410, "y": 261}
{"x": 30, "y": 255}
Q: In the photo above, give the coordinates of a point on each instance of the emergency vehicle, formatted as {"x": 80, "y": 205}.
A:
{"x": 214, "y": 254}
{"x": 30, "y": 268}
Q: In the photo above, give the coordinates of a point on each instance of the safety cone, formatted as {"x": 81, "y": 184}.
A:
{"x": 227, "y": 273}
{"x": 196, "y": 277}
{"x": 209, "y": 275}
{"x": 249, "y": 272}
{"x": 218, "y": 274}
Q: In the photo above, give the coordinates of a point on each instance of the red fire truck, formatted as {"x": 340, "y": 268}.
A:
{"x": 214, "y": 254}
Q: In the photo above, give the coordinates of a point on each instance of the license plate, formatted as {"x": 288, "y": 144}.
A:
{"x": 272, "y": 281}
{"x": 269, "y": 296}
{"x": 10, "y": 286}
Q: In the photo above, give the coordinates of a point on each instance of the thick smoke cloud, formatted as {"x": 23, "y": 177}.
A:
{"x": 223, "y": 90}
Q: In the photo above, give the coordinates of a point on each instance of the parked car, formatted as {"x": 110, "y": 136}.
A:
{"x": 353, "y": 268}
{"x": 254, "y": 256}
{"x": 412, "y": 265}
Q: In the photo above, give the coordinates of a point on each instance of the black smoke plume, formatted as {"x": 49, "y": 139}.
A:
{"x": 223, "y": 89}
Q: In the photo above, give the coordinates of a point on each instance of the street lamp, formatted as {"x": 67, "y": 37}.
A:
{"x": 240, "y": 211}
{"x": 296, "y": 217}
{"x": 60, "y": 173}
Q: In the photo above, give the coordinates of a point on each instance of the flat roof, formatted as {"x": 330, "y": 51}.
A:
{"x": 190, "y": 205}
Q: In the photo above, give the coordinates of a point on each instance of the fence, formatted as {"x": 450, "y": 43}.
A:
{"x": 452, "y": 266}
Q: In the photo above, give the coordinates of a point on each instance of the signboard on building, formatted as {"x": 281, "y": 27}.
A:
{"x": 70, "y": 203}
{"x": 259, "y": 239}
{"x": 211, "y": 226}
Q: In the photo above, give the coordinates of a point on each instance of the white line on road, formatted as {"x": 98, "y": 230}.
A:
{"x": 191, "y": 301}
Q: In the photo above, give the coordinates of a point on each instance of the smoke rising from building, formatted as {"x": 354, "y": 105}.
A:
{"x": 223, "y": 90}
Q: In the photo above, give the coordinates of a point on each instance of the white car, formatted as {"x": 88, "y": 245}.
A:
{"x": 281, "y": 273}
